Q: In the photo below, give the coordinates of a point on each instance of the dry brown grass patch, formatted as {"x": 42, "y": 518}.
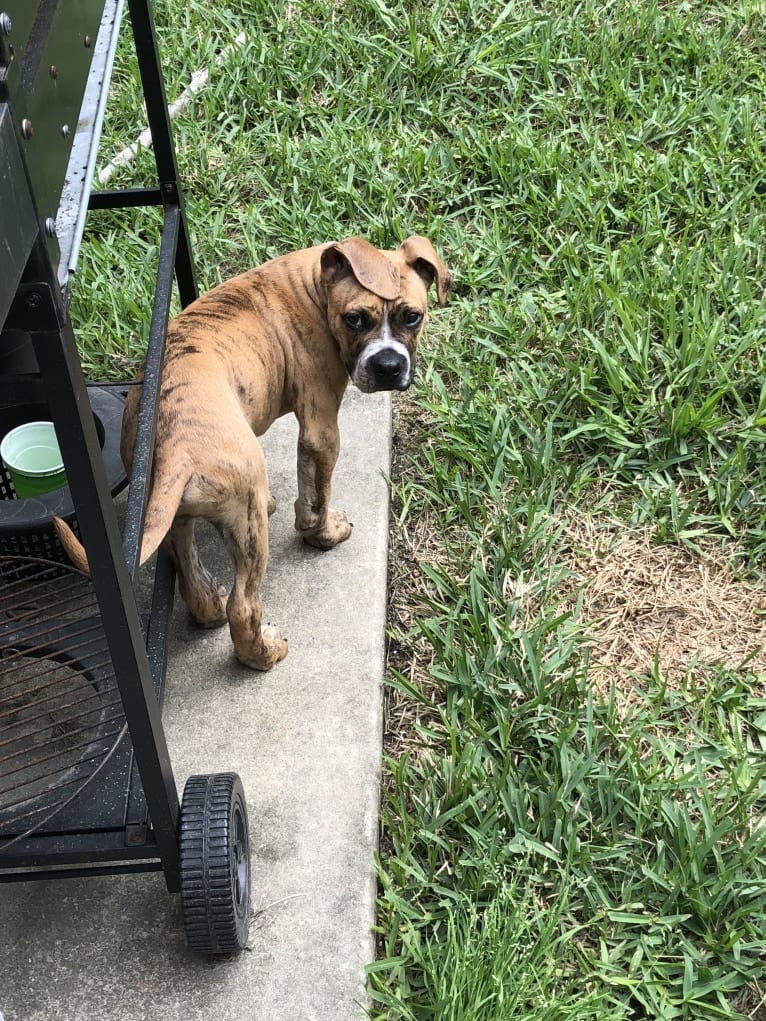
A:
{"x": 645, "y": 604}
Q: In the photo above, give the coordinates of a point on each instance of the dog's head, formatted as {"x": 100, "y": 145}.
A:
{"x": 377, "y": 307}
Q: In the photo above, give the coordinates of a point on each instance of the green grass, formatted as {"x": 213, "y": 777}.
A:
{"x": 594, "y": 175}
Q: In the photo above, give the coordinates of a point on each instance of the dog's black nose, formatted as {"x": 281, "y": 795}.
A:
{"x": 390, "y": 369}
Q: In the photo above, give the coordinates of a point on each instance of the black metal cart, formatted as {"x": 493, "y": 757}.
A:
{"x": 86, "y": 785}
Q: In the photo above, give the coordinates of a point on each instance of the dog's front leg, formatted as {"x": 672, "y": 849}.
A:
{"x": 317, "y": 454}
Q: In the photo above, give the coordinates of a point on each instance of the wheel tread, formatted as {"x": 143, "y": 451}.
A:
{"x": 213, "y": 919}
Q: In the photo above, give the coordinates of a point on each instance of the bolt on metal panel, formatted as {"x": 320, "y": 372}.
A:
{"x": 46, "y": 53}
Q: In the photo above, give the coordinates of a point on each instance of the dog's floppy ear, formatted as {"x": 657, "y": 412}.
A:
{"x": 371, "y": 268}
{"x": 420, "y": 254}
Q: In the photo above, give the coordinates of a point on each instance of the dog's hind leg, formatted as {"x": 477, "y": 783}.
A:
{"x": 203, "y": 595}
{"x": 246, "y": 534}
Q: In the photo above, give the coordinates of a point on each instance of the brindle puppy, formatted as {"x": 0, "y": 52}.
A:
{"x": 286, "y": 336}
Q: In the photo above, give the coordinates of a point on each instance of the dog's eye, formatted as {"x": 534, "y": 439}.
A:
{"x": 354, "y": 320}
{"x": 412, "y": 318}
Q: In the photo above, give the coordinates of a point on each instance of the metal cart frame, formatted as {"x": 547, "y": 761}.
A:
{"x": 160, "y": 833}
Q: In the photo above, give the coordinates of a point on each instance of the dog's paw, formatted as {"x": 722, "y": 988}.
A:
{"x": 272, "y": 505}
{"x": 210, "y": 612}
{"x": 263, "y": 654}
{"x": 336, "y": 529}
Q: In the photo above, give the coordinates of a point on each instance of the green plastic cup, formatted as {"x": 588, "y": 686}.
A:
{"x": 31, "y": 454}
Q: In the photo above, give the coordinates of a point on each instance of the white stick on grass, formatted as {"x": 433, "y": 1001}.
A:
{"x": 144, "y": 141}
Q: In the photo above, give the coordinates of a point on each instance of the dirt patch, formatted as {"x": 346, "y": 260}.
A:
{"x": 662, "y": 607}
{"x": 410, "y": 543}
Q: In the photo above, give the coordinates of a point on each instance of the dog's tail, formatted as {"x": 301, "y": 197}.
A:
{"x": 73, "y": 548}
{"x": 165, "y": 496}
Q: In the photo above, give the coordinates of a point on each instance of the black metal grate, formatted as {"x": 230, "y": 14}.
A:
{"x": 61, "y": 717}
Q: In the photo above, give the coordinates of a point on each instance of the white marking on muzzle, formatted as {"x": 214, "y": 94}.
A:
{"x": 386, "y": 342}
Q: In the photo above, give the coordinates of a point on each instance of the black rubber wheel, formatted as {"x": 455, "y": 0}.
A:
{"x": 214, "y": 850}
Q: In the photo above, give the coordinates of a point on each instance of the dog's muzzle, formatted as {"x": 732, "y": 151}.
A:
{"x": 383, "y": 365}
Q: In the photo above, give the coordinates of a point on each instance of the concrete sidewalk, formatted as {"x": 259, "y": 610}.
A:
{"x": 306, "y": 740}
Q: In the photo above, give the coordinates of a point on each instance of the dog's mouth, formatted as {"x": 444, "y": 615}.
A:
{"x": 370, "y": 388}
{"x": 383, "y": 366}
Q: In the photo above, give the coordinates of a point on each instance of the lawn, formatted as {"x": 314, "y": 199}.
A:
{"x": 574, "y": 801}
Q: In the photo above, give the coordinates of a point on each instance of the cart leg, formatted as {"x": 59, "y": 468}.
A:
{"x": 67, "y": 399}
